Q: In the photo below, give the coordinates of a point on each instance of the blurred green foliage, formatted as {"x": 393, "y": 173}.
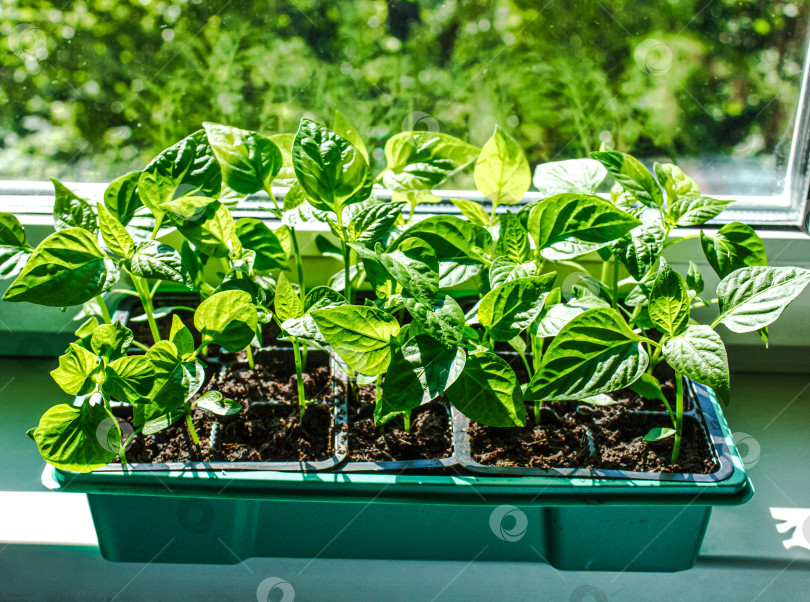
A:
{"x": 92, "y": 88}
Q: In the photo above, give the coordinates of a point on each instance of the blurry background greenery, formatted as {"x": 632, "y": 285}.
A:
{"x": 90, "y": 89}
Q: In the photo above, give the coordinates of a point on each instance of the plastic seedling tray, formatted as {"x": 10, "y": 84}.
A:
{"x": 703, "y": 410}
{"x": 399, "y": 466}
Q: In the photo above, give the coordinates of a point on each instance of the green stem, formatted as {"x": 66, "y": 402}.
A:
{"x": 250, "y": 357}
{"x": 146, "y": 300}
{"x": 537, "y": 404}
{"x": 105, "y": 312}
{"x": 140, "y": 346}
{"x": 299, "y": 266}
{"x": 158, "y": 223}
{"x": 302, "y": 400}
{"x": 406, "y": 417}
{"x": 525, "y": 363}
{"x": 615, "y": 296}
{"x": 678, "y": 416}
{"x": 603, "y": 276}
{"x": 194, "y": 437}
{"x": 654, "y": 360}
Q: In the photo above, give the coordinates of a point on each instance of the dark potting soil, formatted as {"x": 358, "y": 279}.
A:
{"x": 259, "y": 432}
{"x": 430, "y": 436}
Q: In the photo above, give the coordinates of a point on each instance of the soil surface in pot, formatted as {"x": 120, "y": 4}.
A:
{"x": 260, "y": 432}
{"x": 608, "y": 437}
{"x": 430, "y": 436}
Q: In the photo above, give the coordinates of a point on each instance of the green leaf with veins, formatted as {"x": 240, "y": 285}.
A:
{"x": 419, "y": 372}
{"x": 676, "y": 184}
{"x": 187, "y": 168}
{"x": 577, "y": 218}
{"x": 158, "y": 261}
{"x": 121, "y": 197}
{"x": 67, "y": 268}
{"x": 633, "y": 176}
{"x": 228, "y": 319}
{"x": 580, "y": 176}
{"x": 70, "y": 211}
{"x": 332, "y": 172}
{"x": 649, "y": 388}
{"x": 12, "y": 233}
{"x": 734, "y": 246}
{"x": 694, "y": 211}
{"x": 443, "y": 319}
{"x": 111, "y": 340}
{"x": 595, "y": 353}
{"x": 552, "y": 319}
{"x": 669, "y": 301}
{"x": 374, "y": 222}
{"x": 77, "y": 439}
{"x": 342, "y": 127}
{"x": 639, "y": 249}
{"x": 175, "y": 380}
{"x": 214, "y": 234}
{"x": 255, "y": 235}
{"x": 181, "y": 337}
{"x": 504, "y": 270}
{"x": 513, "y": 240}
{"x": 359, "y": 335}
{"x": 488, "y": 392}
{"x": 754, "y": 297}
{"x": 287, "y": 303}
{"x": 12, "y": 261}
{"x": 423, "y": 160}
{"x": 451, "y": 238}
{"x": 214, "y": 402}
{"x": 248, "y": 160}
{"x": 699, "y": 354}
{"x": 115, "y": 235}
{"x": 694, "y": 279}
{"x": 129, "y": 379}
{"x": 659, "y": 434}
{"x": 472, "y": 211}
{"x": 509, "y": 309}
{"x": 413, "y": 265}
{"x": 76, "y": 370}
{"x": 285, "y": 175}
{"x": 502, "y": 171}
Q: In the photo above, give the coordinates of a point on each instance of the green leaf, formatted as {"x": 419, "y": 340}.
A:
{"x": 676, "y": 183}
{"x": 111, "y": 340}
{"x": 413, "y": 265}
{"x": 419, "y": 372}
{"x": 509, "y": 309}
{"x": 187, "y": 168}
{"x": 472, "y": 211}
{"x": 502, "y": 172}
{"x": 554, "y": 318}
{"x": 457, "y": 271}
{"x": 258, "y": 237}
{"x": 342, "y": 127}
{"x": 414, "y": 198}
{"x": 442, "y": 319}
{"x": 649, "y": 388}
{"x": 579, "y": 176}
{"x": 669, "y": 301}
{"x": 578, "y": 218}
{"x": 374, "y": 222}
{"x": 450, "y": 237}
{"x": 734, "y": 246}
{"x": 423, "y": 160}
{"x": 504, "y": 270}
{"x": 76, "y": 370}
{"x": 359, "y": 335}
{"x": 121, "y": 197}
{"x": 67, "y": 268}
{"x": 659, "y": 434}
{"x": 70, "y": 211}
{"x": 699, "y": 354}
{"x": 248, "y": 160}
{"x": 694, "y": 211}
{"x": 175, "y": 380}
{"x": 182, "y": 338}
{"x": 513, "y": 240}
{"x": 331, "y": 171}
{"x": 594, "y": 353}
{"x": 129, "y": 379}
{"x": 12, "y": 261}
{"x": 287, "y": 303}
{"x": 286, "y": 175}
{"x": 115, "y": 235}
{"x": 228, "y": 319}
{"x": 158, "y": 261}
{"x": 214, "y": 402}
{"x": 639, "y": 249}
{"x": 12, "y": 233}
{"x": 694, "y": 279}
{"x": 754, "y": 297}
{"x": 163, "y": 420}
{"x": 633, "y": 177}
{"x": 213, "y": 231}
{"x": 78, "y": 439}
{"x": 488, "y": 392}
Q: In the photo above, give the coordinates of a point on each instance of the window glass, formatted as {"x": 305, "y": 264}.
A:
{"x": 93, "y": 88}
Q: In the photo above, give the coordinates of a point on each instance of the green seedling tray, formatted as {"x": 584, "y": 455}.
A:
{"x": 571, "y": 522}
